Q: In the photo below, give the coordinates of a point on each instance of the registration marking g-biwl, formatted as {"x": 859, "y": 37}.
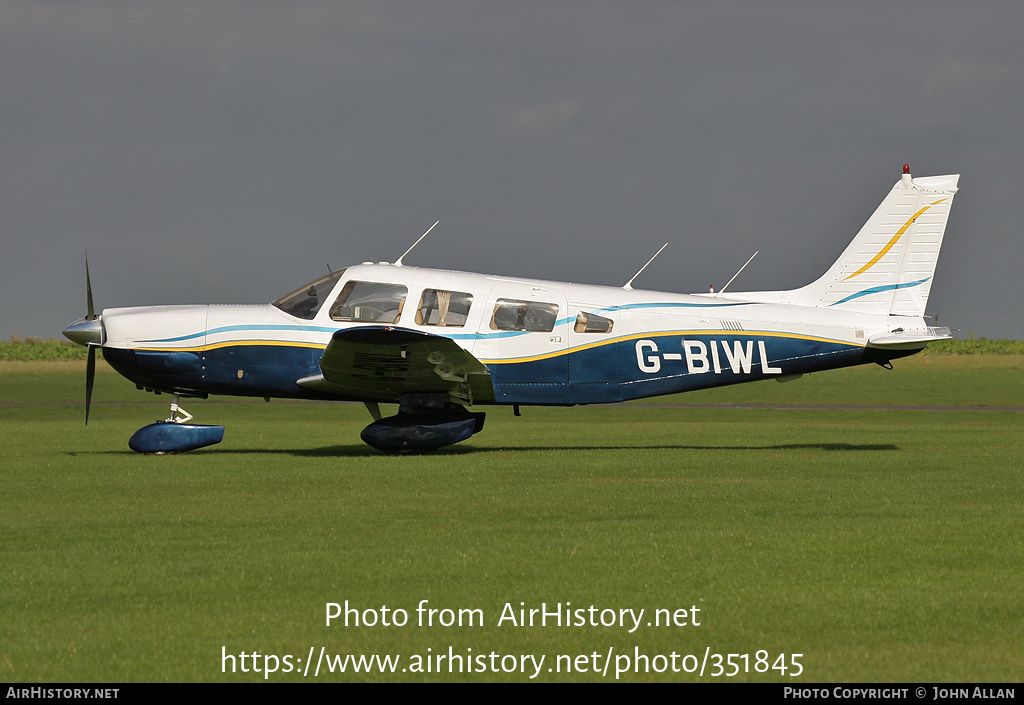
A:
{"x": 704, "y": 357}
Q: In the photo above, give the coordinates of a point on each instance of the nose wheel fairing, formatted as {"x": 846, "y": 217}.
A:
{"x": 165, "y": 437}
{"x": 174, "y": 434}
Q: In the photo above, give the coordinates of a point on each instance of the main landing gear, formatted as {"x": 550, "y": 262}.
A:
{"x": 174, "y": 434}
{"x": 423, "y": 422}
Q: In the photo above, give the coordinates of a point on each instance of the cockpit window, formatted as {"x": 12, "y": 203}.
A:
{"x": 305, "y": 302}
{"x": 443, "y": 308}
{"x": 370, "y": 302}
{"x": 510, "y": 314}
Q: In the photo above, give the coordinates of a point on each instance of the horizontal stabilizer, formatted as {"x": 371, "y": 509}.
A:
{"x": 900, "y": 337}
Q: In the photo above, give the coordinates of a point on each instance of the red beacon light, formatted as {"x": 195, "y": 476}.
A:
{"x": 906, "y": 168}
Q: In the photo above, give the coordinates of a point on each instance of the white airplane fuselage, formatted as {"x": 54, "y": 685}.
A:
{"x": 659, "y": 343}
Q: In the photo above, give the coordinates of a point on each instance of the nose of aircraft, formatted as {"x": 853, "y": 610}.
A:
{"x": 89, "y": 332}
{"x": 86, "y": 331}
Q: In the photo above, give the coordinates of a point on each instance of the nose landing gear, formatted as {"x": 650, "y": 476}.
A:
{"x": 174, "y": 434}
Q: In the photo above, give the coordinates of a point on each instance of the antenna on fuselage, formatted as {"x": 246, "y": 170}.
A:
{"x": 398, "y": 262}
{"x": 722, "y": 290}
{"x": 628, "y": 286}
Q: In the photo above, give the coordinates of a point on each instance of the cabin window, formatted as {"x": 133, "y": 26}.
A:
{"x": 306, "y": 302}
{"x": 592, "y": 323}
{"x": 369, "y": 302}
{"x": 443, "y": 308}
{"x": 510, "y": 314}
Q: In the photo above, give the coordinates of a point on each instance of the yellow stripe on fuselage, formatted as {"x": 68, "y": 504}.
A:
{"x": 659, "y": 334}
{"x": 237, "y": 343}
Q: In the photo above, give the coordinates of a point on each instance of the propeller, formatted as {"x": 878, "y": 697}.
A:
{"x": 90, "y": 364}
{"x": 88, "y": 291}
{"x": 89, "y": 332}
{"x": 90, "y": 374}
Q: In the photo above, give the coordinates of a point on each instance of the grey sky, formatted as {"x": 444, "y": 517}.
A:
{"x": 227, "y": 152}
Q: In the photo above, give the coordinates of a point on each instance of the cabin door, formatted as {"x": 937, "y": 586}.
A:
{"x": 523, "y": 339}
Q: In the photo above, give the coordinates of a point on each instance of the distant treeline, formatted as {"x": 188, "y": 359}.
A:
{"x": 39, "y": 350}
{"x": 977, "y": 346}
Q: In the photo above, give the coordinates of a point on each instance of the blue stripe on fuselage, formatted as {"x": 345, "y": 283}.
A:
{"x": 266, "y": 370}
{"x": 617, "y": 371}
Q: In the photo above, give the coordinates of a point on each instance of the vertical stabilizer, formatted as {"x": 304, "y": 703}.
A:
{"x": 888, "y": 268}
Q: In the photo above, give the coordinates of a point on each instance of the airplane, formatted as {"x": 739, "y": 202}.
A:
{"x": 440, "y": 342}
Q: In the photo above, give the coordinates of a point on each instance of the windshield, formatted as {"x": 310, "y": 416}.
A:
{"x": 305, "y": 302}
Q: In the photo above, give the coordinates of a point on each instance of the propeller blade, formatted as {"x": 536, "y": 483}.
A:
{"x": 88, "y": 291}
{"x": 90, "y": 373}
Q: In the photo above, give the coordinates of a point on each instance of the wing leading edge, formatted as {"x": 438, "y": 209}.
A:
{"x": 381, "y": 363}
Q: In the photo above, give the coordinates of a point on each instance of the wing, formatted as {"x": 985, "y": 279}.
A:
{"x": 380, "y": 363}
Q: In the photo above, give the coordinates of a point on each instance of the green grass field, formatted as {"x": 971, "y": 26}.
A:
{"x": 881, "y": 544}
